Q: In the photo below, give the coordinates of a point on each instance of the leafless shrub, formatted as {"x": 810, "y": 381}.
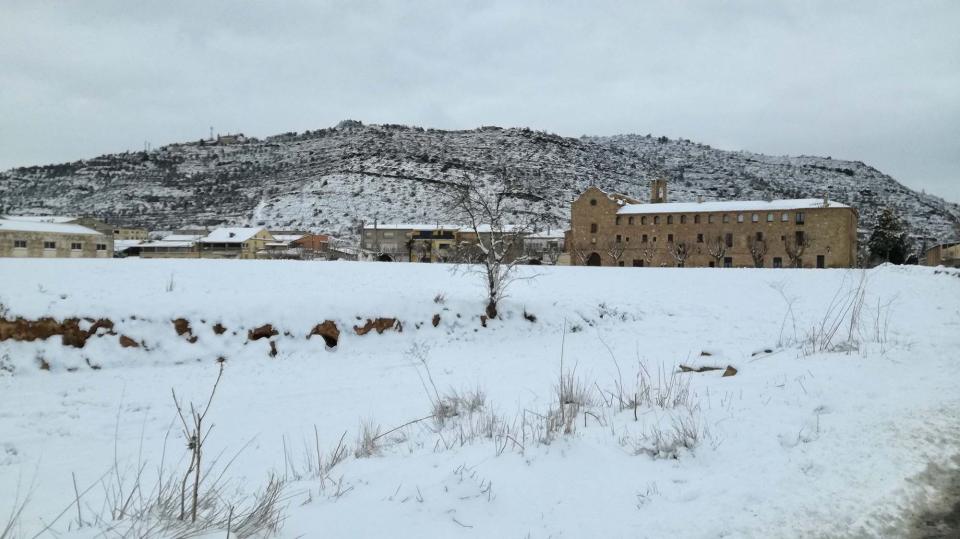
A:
{"x": 195, "y": 435}
{"x": 843, "y": 311}
{"x": 440, "y": 298}
{"x": 685, "y": 432}
{"x": 368, "y": 443}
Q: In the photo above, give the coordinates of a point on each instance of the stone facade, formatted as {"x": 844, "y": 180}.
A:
{"x": 616, "y": 230}
{"x": 943, "y": 255}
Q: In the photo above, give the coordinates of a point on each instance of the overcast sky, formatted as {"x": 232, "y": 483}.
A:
{"x": 873, "y": 81}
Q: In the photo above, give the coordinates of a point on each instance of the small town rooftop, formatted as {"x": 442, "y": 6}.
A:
{"x": 231, "y": 235}
{"x": 42, "y": 226}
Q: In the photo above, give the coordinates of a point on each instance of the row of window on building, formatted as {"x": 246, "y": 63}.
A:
{"x": 711, "y": 218}
{"x": 52, "y": 245}
{"x": 728, "y": 262}
{"x": 799, "y": 237}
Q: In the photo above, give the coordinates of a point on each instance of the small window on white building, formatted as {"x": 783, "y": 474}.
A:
{"x": 76, "y": 246}
{"x": 19, "y": 244}
{"x": 101, "y": 246}
{"x": 739, "y": 217}
{"x": 755, "y": 218}
{"x": 49, "y": 245}
{"x": 785, "y": 217}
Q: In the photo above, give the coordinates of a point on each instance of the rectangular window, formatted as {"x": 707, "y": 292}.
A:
{"x": 49, "y": 245}
{"x": 711, "y": 264}
{"x": 821, "y": 261}
{"x": 616, "y": 220}
{"x": 669, "y": 219}
{"x": 699, "y": 238}
{"x": 656, "y": 219}
{"x": 637, "y": 263}
{"x": 618, "y": 238}
{"x": 728, "y": 239}
{"x": 19, "y": 244}
{"x": 739, "y": 217}
{"x": 755, "y": 218}
{"x": 101, "y": 246}
{"x": 683, "y": 219}
{"x": 388, "y": 234}
{"x": 643, "y": 239}
{"x": 726, "y": 218}
{"x": 643, "y": 219}
{"x": 728, "y": 262}
{"x": 696, "y": 219}
{"x": 670, "y": 238}
{"x": 777, "y": 262}
{"x": 76, "y": 246}
{"x": 710, "y": 219}
{"x": 593, "y": 228}
{"x": 630, "y": 220}
{"x": 770, "y": 217}
{"x": 799, "y": 237}
{"x": 785, "y": 217}
{"x": 759, "y": 236}
{"x": 620, "y": 263}
{"x": 799, "y": 217}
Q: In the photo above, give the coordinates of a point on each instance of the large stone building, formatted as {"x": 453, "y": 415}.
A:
{"x": 38, "y": 237}
{"x": 609, "y": 229}
{"x": 947, "y": 254}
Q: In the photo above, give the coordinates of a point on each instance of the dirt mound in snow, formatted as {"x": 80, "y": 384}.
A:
{"x": 69, "y": 329}
{"x": 379, "y": 324}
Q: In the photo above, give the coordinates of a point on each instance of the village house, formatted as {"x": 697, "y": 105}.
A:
{"x": 609, "y": 229}
{"x": 170, "y": 246}
{"x": 423, "y": 243}
{"x": 29, "y": 236}
{"x": 947, "y": 254}
{"x": 234, "y": 242}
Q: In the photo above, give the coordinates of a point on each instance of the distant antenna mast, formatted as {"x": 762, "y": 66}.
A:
{"x": 211, "y": 132}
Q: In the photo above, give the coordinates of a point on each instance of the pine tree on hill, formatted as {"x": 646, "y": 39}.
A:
{"x": 889, "y": 241}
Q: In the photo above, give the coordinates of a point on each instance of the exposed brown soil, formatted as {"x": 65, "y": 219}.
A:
{"x": 20, "y": 329}
{"x": 436, "y": 320}
{"x": 379, "y": 324}
{"x": 263, "y": 332}
{"x": 219, "y": 328}
{"x": 127, "y": 342}
{"x": 328, "y": 331}
{"x": 182, "y": 326}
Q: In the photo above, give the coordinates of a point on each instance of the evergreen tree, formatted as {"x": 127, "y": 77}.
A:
{"x": 889, "y": 242}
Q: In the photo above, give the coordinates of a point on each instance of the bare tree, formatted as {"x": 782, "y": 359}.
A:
{"x": 552, "y": 253}
{"x": 795, "y": 246}
{"x": 717, "y": 248}
{"x": 581, "y": 252}
{"x": 680, "y": 251}
{"x": 758, "y": 250}
{"x": 647, "y": 252}
{"x": 614, "y": 250}
{"x": 196, "y": 437}
{"x": 494, "y": 251}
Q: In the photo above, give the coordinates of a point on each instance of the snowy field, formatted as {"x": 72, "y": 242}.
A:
{"x": 846, "y": 399}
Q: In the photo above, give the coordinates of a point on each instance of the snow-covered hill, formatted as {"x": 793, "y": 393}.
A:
{"x": 332, "y": 179}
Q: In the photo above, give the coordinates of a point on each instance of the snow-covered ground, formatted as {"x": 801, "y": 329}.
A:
{"x": 811, "y": 437}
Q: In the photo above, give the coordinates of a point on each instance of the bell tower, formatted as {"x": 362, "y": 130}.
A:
{"x": 658, "y": 191}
